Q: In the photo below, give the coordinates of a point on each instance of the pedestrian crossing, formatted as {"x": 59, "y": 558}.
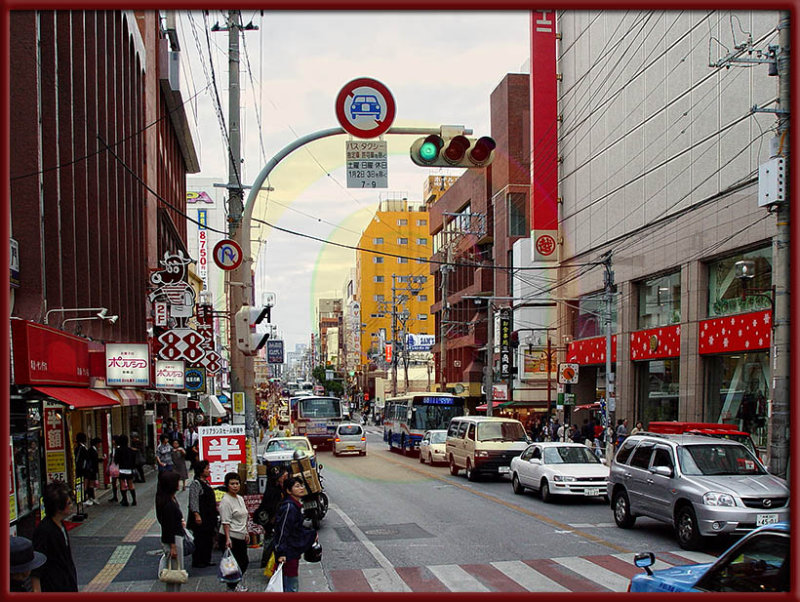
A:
{"x": 597, "y": 573}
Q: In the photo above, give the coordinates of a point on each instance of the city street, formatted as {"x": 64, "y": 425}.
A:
{"x": 397, "y": 525}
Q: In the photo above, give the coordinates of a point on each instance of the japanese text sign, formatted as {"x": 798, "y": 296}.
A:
{"x": 224, "y": 448}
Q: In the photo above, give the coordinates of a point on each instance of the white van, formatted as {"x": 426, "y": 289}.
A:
{"x": 484, "y": 445}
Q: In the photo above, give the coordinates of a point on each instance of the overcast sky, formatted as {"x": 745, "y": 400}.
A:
{"x": 441, "y": 68}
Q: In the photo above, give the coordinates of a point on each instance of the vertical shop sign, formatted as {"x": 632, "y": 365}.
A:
{"x": 224, "y": 447}
{"x": 202, "y": 255}
{"x": 505, "y": 344}
{"x": 544, "y": 137}
{"x": 12, "y": 500}
{"x": 55, "y": 444}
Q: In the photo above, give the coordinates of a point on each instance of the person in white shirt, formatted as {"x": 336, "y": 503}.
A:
{"x": 233, "y": 527}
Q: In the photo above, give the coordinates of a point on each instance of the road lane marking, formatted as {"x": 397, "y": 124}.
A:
{"x": 391, "y": 575}
{"x": 529, "y": 578}
{"x": 540, "y": 517}
{"x": 594, "y": 572}
{"x": 457, "y": 579}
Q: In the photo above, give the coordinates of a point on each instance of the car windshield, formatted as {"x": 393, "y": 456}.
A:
{"x": 287, "y": 445}
{"x": 439, "y": 437}
{"x": 501, "y": 431}
{"x": 351, "y": 429}
{"x": 570, "y": 455}
{"x": 717, "y": 460}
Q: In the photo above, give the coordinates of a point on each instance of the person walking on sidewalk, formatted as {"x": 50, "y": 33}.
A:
{"x": 126, "y": 459}
{"x": 179, "y": 462}
{"x": 58, "y": 573}
{"x": 92, "y": 481}
{"x": 233, "y": 530}
{"x": 292, "y": 539}
{"x": 164, "y": 454}
{"x": 23, "y": 559}
{"x": 202, "y": 515}
{"x": 267, "y": 511}
{"x": 82, "y": 464}
{"x": 113, "y": 468}
{"x": 170, "y": 517}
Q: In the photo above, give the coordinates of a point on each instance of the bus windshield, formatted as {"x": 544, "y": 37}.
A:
{"x": 429, "y": 417}
{"x": 319, "y": 407}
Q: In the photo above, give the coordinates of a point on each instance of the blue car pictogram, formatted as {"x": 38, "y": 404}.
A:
{"x": 365, "y": 105}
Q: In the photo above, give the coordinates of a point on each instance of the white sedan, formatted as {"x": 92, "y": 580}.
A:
{"x": 556, "y": 468}
{"x": 282, "y": 449}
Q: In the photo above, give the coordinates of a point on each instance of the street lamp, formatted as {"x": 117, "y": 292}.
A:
{"x": 102, "y": 314}
{"x": 745, "y": 271}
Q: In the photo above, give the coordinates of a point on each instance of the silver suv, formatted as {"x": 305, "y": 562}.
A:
{"x": 701, "y": 485}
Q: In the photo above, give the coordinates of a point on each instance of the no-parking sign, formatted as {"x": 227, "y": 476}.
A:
{"x": 365, "y": 108}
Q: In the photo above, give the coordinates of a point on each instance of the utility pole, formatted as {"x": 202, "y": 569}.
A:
{"x": 237, "y": 281}
{"x": 445, "y": 268}
{"x": 779, "y": 438}
{"x": 611, "y": 401}
{"x": 394, "y": 337}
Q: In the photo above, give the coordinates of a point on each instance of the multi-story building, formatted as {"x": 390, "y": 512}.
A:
{"x": 394, "y": 288}
{"x": 329, "y": 316}
{"x": 98, "y": 188}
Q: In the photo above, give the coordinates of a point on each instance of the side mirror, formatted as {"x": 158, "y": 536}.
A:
{"x": 664, "y": 471}
{"x": 645, "y": 560}
{"x": 535, "y": 460}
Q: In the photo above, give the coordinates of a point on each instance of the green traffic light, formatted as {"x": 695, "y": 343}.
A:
{"x": 428, "y": 151}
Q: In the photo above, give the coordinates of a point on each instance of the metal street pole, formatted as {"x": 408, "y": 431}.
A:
{"x": 779, "y": 439}
{"x": 610, "y": 397}
{"x": 489, "y": 367}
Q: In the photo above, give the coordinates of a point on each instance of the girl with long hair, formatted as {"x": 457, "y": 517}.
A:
{"x": 170, "y": 517}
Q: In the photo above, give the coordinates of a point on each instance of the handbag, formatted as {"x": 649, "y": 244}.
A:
{"x": 113, "y": 470}
{"x": 229, "y": 570}
{"x": 188, "y": 543}
{"x": 276, "y": 581}
{"x": 170, "y": 575}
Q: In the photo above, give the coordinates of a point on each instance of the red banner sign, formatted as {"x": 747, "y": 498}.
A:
{"x": 224, "y": 447}
{"x": 48, "y": 356}
{"x": 591, "y": 351}
{"x": 742, "y": 332}
{"x": 656, "y": 343}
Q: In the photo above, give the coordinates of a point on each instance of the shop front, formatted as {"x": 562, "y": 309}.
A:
{"x": 655, "y": 353}
{"x": 590, "y": 355}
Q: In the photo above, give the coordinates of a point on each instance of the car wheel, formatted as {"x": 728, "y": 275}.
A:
{"x": 472, "y": 475}
{"x": 421, "y": 458}
{"x": 606, "y": 499}
{"x": 544, "y": 491}
{"x": 453, "y": 467}
{"x": 363, "y": 453}
{"x": 622, "y": 510}
{"x": 335, "y": 453}
{"x": 686, "y": 528}
{"x": 516, "y": 486}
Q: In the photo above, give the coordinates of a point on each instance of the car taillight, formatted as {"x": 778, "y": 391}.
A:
{"x": 337, "y": 439}
{"x": 363, "y": 438}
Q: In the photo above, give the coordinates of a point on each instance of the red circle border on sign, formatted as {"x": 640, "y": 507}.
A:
{"x": 345, "y": 93}
{"x": 235, "y": 244}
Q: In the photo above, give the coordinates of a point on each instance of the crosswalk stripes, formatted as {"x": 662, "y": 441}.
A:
{"x": 599, "y": 573}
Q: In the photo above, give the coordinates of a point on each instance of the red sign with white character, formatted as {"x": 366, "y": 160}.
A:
{"x": 656, "y": 343}
{"x": 591, "y": 351}
{"x": 742, "y": 332}
{"x": 48, "y": 356}
{"x": 224, "y": 447}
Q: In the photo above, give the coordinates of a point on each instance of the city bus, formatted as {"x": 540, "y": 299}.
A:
{"x": 407, "y": 417}
{"x": 316, "y": 418}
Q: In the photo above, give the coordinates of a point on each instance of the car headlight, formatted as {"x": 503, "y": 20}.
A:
{"x": 713, "y": 498}
{"x": 481, "y": 454}
{"x": 562, "y": 478}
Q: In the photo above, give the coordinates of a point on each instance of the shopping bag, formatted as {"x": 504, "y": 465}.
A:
{"x": 188, "y": 543}
{"x": 276, "y": 581}
{"x": 113, "y": 470}
{"x": 229, "y": 570}
{"x": 269, "y": 568}
{"x": 166, "y": 574}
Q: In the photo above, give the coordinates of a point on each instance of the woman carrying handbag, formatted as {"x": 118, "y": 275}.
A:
{"x": 169, "y": 516}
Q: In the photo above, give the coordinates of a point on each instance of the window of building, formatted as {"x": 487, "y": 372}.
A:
{"x": 402, "y": 260}
{"x": 377, "y": 297}
{"x": 402, "y": 222}
{"x": 377, "y": 241}
{"x": 377, "y": 259}
{"x": 738, "y": 388}
{"x": 658, "y": 390}
{"x": 517, "y": 225}
{"x": 725, "y": 290}
{"x": 422, "y": 259}
{"x": 423, "y": 298}
{"x": 422, "y": 241}
{"x": 588, "y": 316}
{"x": 422, "y": 316}
{"x": 402, "y": 278}
{"x": 402, "y": 241}
{"x": 660, "y": 301}
{"x": 422, "y": 222}
{"x": 377, "y": 278}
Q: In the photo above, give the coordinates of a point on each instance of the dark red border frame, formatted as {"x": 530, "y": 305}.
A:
{"x": 420, "y": 5}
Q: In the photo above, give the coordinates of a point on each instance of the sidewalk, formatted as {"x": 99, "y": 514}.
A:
{"x": 117, "y": 549}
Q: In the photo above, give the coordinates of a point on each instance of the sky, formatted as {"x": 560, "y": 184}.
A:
{"x": 440, "y": 67}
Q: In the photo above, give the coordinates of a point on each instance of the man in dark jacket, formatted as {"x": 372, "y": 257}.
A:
{"x": 83, "y": 464}
{"x": 292, "y": 539}
{"x": 50, "y": 538}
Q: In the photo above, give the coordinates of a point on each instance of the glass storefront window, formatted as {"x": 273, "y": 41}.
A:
{"x": 588, "y": 315}
{"x": 660, "y": 301}
{"x": 725, "y": 290}
{"x": 658, "y": 390}
{"x": 737, "y": 392}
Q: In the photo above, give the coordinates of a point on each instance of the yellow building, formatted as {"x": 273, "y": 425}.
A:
{"x": 401, "y": 246}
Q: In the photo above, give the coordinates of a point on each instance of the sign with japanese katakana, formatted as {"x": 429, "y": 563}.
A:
{"x": 367, "y": 163}
{"x": 224, "y": 447}
{"x": 54, "y": 444}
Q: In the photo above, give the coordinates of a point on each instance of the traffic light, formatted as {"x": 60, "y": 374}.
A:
{"x": 247, "y": 339}
{"x": 454, "y": 151}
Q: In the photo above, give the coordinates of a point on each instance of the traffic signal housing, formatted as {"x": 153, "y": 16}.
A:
{"x": 439, "y": 150}
{"x": 248, "y": 340}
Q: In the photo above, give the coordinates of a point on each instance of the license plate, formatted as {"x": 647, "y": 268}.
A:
{"x": 591, "y": 491}
{"x": 503, "y": 469}
{"x": 349, "y": 447}
{"x": 766, "y": 519}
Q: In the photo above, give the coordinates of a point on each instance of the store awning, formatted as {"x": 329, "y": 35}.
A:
{"x": 212, "y": 407}
{"x": 130, "y": 397}
{"x": 495, "y": 404}
{"x": 79, "y": 398}
{"x": 587, "y": 406}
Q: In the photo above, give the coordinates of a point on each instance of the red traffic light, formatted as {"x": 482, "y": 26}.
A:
{"x": 481, "y": 152}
